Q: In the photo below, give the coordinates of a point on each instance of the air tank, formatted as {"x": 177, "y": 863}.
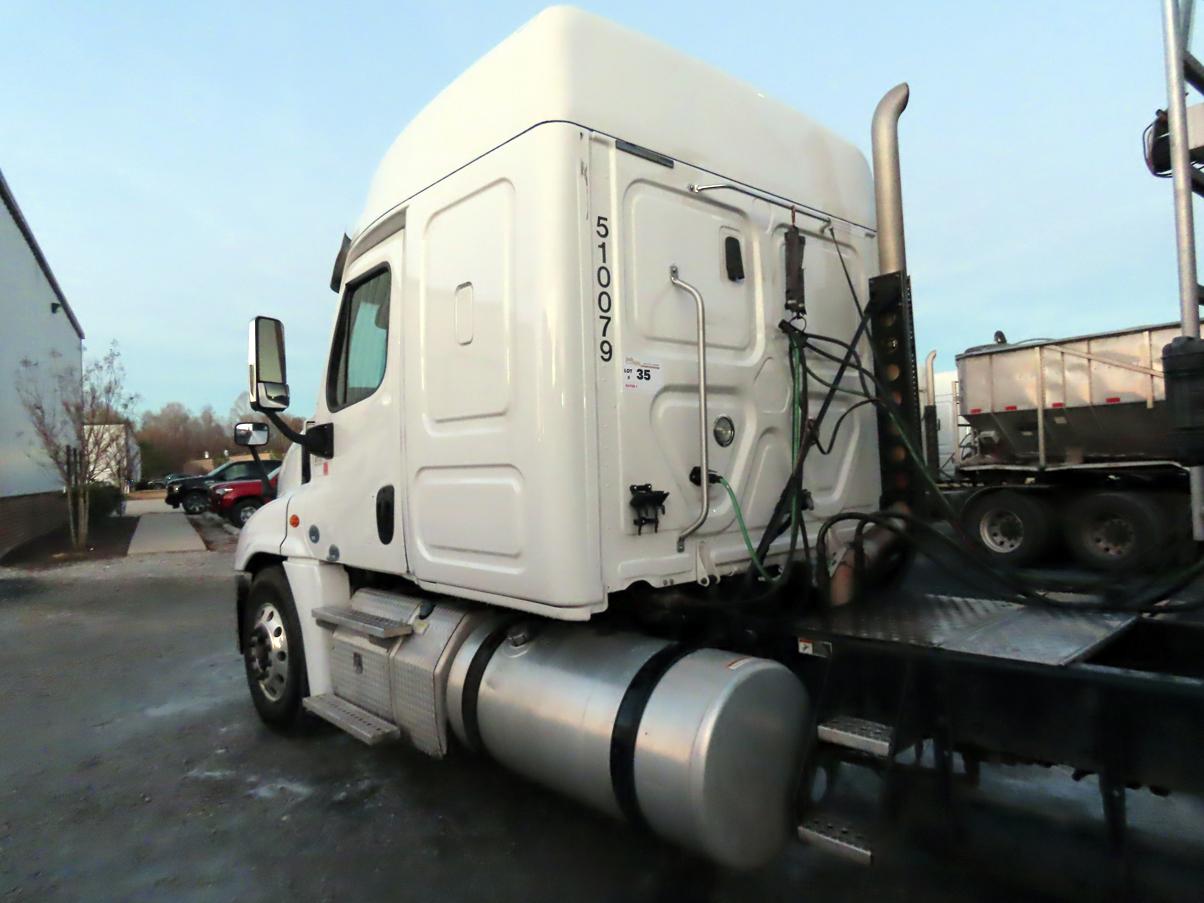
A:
{"x": 702, "y": 746}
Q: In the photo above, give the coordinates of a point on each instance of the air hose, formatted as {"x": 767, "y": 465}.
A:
{"x": 748, "y": 543}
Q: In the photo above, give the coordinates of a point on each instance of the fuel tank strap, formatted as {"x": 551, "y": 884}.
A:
{"x": 627, "y": 727}
{"x": 472, "y": 684}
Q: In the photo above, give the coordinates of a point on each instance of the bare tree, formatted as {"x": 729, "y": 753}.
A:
{"x": 61, "y": 405}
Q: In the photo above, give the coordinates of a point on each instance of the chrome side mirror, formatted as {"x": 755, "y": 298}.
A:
{"x": 251, "y": 435}
{"x": 268, "y": 389}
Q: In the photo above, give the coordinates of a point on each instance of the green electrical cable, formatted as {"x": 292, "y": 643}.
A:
{"x": 797, "y": 428}
{"x": 752, "y": 552}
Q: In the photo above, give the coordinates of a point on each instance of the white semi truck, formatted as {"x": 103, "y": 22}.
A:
{"x": 623, "y": 349}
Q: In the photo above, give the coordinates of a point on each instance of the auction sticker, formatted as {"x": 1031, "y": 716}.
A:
{"x": 641, "y": 375}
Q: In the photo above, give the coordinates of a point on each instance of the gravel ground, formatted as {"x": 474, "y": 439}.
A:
{"x": 133, "y": 768}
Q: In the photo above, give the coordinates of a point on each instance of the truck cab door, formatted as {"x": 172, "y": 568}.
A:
{"x": 354, "y": 499}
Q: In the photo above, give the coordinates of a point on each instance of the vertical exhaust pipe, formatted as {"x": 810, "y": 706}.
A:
{"x": 890, "y": 285}
{"x": 930, "y": 379}
{"x": 888, "y": 186}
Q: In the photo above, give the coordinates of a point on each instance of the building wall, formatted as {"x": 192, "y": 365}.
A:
{"x": 30, "y": 331}
{"x": 31, "y": 499}
{"x": 26, "y": 517}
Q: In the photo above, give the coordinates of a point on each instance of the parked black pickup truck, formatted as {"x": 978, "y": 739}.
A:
{"x": 192, "y": 493}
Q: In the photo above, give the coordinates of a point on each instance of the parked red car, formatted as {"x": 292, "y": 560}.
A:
{"x": 239, "y": 499}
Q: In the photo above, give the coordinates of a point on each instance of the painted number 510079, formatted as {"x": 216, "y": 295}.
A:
{"x": 602, "y": 288}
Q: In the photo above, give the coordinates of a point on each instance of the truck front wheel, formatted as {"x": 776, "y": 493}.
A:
{"x": 1011, "y": 527}
{"x": 272, "y": 649}
{"x": 1117, "y": 531}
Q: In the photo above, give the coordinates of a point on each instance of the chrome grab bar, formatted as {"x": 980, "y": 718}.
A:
{"x": 702, "y": 409}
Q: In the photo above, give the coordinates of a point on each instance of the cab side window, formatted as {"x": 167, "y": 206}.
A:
{"x": 361, "y": 342}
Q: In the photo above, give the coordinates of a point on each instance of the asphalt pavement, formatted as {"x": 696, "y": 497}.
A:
{"x": 133, "y": 767}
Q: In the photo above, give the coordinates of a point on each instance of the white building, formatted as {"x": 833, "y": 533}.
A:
{"x": 119, "y": 460}
{"x": 38, "y": 328}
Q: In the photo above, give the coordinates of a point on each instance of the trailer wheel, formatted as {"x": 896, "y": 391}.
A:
{"x": 272, "y": 649}
{"x": 1117, "y": 531}
{"x": 1011, "y": 527}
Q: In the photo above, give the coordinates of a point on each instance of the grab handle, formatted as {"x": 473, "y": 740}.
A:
{"x": 702, "y": 408}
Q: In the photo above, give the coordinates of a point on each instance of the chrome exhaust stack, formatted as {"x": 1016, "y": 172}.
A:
{"x": 893, "y": 342}
{"x": 888, "y": 186}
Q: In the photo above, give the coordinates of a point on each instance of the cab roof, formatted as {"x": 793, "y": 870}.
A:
{"x": 570, "y": 66}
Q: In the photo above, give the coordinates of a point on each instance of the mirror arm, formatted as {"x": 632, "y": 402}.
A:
{"x": 318, "y": 439}
{"x": 263, "y": 473}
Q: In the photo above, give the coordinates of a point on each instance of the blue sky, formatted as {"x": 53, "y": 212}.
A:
{"x": 186, "y": 166}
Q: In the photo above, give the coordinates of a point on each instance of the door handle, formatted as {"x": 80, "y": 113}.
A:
{"x": 705, "y": 482}
{"x": 384, "y": 514}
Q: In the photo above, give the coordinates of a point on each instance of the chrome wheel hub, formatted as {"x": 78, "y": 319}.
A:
{"x": 268, "y": 651}
{"x": 1001, "y": 531}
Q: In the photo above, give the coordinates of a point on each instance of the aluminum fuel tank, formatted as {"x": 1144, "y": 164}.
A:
{"x": 703, "y": 746}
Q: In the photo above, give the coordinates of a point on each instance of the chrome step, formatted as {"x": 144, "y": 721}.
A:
{"x": 857, "y": 733}
{"x": 361, "y": 622}
{"x": 836, "y": 837}
{"x": 348, "y": 716}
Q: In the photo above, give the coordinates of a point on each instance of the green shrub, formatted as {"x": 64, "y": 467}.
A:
{"x": 103, "y": 500}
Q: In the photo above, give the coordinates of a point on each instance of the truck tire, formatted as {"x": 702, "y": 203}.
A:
{"x": 1117, "y": 531}
{"x": 241, "y": 513}
{"x": 195, "y": 503}
{"x": 273, "y": 653}
{"x": 1014, "y": 528}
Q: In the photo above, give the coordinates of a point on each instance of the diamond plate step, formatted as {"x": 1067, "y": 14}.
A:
{"x": 348, "y": 716}
{"x": 857, "y": 733}
{"x": 836, "y": 837}
{"x": 361, "y": 622}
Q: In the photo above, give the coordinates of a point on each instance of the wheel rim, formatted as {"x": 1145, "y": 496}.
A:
{"x": 1001, "y": 531}
{"x": 268, "y": 651}
{"x": 244, "y": 513}
{"x": 192, "y": 506}
{"x": 1112, "y": 536}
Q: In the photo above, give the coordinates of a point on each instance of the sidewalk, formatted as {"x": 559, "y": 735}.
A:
{"x": 167, "y": 531}
{"x": 135, "y": 507}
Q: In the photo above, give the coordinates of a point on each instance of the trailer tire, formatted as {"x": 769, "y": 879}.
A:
{"x": 1117, "y": 531}
{"x": 1014, "y": 528}
{"x": 273, "y": 654}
